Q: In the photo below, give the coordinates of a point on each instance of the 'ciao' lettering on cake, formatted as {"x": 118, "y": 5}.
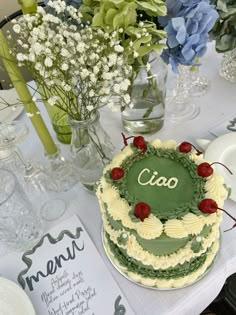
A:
{"x": 171, "y": 183}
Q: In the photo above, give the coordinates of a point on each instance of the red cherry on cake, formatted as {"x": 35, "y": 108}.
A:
{"x": 204, "y": 169}
{"x": 139, "y": 142}
{"x": 185, "y": 147}
{"x": 142, "y": 210}
{"x": 208, "y": 205}
{"x": 117, "y": 173}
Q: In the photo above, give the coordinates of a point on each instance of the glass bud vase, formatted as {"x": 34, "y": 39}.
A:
{"x": 145, "y": 113}
{"x": 228, "y": 66}
{"x": 91, "y": 148}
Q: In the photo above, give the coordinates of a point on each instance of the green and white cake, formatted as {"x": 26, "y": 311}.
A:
{"x": 158, "y": 226}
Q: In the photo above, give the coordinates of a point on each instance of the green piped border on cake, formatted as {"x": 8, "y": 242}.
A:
{"x": 175, "y": 155}
{"x": 135, "y": 266}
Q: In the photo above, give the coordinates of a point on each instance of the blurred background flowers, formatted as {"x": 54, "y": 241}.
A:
{"x": 187, "y": 24}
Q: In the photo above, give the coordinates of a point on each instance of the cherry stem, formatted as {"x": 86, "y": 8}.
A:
{"x": 230, "y": 228}
{"x": 126, "y": 138}
{"x": 230, "y": 217}
{"x": 134, "y": 157}
{"x": 224, "y": 166}
{"x": 227, "y": 214}
{"x": 198, "y": 151}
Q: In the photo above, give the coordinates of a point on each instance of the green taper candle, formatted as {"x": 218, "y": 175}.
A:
{"x": 28, "y": 6}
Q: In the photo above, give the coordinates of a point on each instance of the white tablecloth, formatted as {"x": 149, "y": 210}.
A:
{"x": 216, "y": 106}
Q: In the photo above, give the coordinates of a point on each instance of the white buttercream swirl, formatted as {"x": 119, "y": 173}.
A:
{"x": 156, "y": 143}
{"x": 192, "y": 223}
{"x": 150, "y": 228}
{"x": 215, "y": 189}
{"x": 174, "y": 228}
{"x": 169, "y": 144}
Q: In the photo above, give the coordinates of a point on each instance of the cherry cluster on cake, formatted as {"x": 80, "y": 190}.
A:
{"x": 141, "y": 209}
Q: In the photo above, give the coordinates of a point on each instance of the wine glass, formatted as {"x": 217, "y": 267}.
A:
{"x": 180, "y": 106}
{"x": 37, "y": 183}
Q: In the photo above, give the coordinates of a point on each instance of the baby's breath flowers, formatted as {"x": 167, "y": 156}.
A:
{"x": 77, "y": 68}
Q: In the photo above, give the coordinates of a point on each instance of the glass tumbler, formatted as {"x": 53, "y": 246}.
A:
{"x": 20, "y": 226}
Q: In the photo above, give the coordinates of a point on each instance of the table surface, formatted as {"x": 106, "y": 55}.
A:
{"x": 216, "y": 106}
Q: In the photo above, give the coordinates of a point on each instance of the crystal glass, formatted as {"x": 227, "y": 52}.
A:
{"x": 20, "y": 226}
{"x": 228, "y": 66}
{"x": 52, "y": 209}
{"x": 180, "y": 106}
{"x": 61, "y": 171}
{"x": 59, "y": 176}
{"x": 198, "y": 85}
{"x": 145, "y": 113}
{"x": 11, "y": 135}
{"x": 91, "y": 148}
{"x": 41, "y": 186}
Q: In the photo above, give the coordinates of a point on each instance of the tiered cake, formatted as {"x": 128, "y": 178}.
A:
{"x": 156, "y": 202}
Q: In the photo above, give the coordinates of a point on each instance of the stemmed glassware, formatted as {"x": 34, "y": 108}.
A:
{"x": 37, "y": 183}
{"x": 180, "y": 105}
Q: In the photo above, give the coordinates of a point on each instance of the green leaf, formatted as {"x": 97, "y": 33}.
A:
{"x": 118, "y": 21}
{"x": 224, "y": 44}
{"x": 87, "y": 2}
{"x": 86, "y": 9}
{"x": 142, "y": 40}
{"x": 97, "y": 19}
{"x": 131, "y": 30}
{"x": 130, "y": 19}
{"x": 231, "y": 11}
{"x": 144, "y": 50}
{"x": 117, "y": 2}
{"x": 147, "y": 6}
{"x": 110, "y": 16}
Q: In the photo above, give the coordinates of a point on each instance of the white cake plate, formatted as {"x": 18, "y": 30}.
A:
{"x": 124, "y": 274}
{"x": 223, "y": 150}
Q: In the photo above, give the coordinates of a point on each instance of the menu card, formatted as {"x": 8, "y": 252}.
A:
{"x": 65, "y": 275}
{"x": 225, "y": 126}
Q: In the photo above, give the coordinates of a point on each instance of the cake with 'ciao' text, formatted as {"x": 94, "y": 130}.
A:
{"x": 161, "y": 208}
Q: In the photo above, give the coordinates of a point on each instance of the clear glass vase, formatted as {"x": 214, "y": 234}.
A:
{"x": 228, "y": 66}
{"x": 91, "y": 148}
{"x": 145, "y": 113}
{"x": 180, "y": 105}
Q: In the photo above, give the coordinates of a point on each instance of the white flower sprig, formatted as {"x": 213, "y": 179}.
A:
{"x": 77, "y": 68}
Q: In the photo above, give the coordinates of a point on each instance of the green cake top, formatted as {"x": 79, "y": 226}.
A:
{"x": 165, "y": 179}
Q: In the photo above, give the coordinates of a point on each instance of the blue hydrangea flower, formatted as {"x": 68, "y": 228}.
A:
{"x": 187, "y": 24}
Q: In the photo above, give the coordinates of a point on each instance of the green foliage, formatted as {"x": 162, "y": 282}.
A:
{"x": 135, "y": 21}
{"x": 224, "y": 31}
